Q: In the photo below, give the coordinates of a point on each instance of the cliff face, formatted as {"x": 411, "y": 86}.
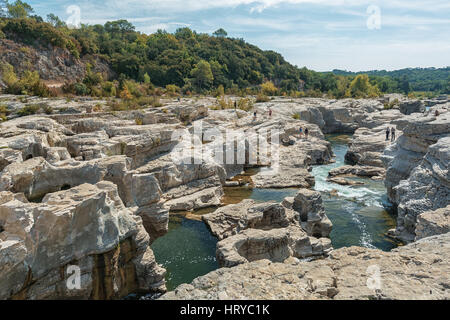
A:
{"x": 417, "y": 175}
{"x": 55, "y": 65}
{"x": 86, "y": 227}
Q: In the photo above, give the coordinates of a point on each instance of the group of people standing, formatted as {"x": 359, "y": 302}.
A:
{"x": 306, "y": 132}
{"x": 256, "y": 113}
{"x": 390, "y": 132}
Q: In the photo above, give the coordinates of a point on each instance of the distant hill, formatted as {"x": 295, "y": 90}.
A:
{"x": 420, "y": 79}
{"x": 104, "y": 60}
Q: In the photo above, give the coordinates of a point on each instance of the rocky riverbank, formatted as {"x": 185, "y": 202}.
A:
{"x": 94, "y": 190}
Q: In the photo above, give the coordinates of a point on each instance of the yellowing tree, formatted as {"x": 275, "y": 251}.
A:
{"x": 360, "y": 87}
{"x": 125, "y": 94}
{"x": 269, "y": 88}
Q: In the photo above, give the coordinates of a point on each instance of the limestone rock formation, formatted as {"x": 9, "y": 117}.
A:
{"x": 312, "y": 217}
{"x": 409, "y": 107}
{"x": 417, "y": 170}
{"x": 419, "y": 132}
{"x": 367, "y": 146}
{"x": 358, "y": 171}
{"x": 276, "y": 245}
{"x": 234, "y": 218}
{"x": 87, "y": 227}
{"x": 345, "y": 182}
{"x": 419, "y": 271}
{"x": 432, "y": 223}
{"x": 251, "y": 231}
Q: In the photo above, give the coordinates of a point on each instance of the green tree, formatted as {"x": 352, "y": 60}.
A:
{"x": 19, "y": 9}
{"x": 221, "y": 33}
{"x": 405, "y": 86}
{"x": 202, "y": 75}
{"x": 55, "y": 21}
{"x": 147, "y": 79}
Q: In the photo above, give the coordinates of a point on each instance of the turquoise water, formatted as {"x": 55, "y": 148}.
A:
{"x": 360, "y": 216}
{"x": 188, "y": 250}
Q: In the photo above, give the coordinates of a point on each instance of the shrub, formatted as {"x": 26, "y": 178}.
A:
{"x": 4, "y": 112}
{"x": 245, "y": 104}
{"x": 220, "y": 91}
{"x": 97, "y": 108}
{"x": 80, "y": 89}
{"x": 296, "y": 116}
{"x": 47, "y": 109}
{"x": 262, "y": 98}
{"x": 224, "y": 103}
{"x": 172, "y": 90}
{"x": 391, "y": 105}
{"x": 28, "y": 110}
{"x": 139, "y": 121}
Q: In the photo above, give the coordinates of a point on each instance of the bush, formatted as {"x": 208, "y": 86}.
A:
{"x": 245, "y": 104}
{"x": 4, "y": 112}
{"x": 47, "y": 109}
{"x": 80, "y": 89}
{"x": 262, "y": 98}
{"x": 28, "y": 110}
{"x": 97, "y": 108}
{"x": 172, "y": 90}
{"x": 296, "y": 116}
{"x": 28, "y": 84}
{"x": 224, "y": 103}
{"x": 391, "y": 105}
{"x": 135, "y": 104}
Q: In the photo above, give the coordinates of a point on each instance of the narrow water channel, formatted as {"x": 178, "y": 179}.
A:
{"x": 360, "y": 216}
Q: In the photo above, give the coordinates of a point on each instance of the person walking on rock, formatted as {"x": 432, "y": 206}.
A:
{"x": 393, "y": 134}
{"x": 306, "y": 133}
{"x": 270, "y": 112}
{"x": 388, "y": 131}
{"x": 300, "y": 132}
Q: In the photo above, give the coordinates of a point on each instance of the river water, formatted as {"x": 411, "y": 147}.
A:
{"x": 360, "y": 215}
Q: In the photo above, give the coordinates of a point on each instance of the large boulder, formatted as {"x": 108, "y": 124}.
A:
{"x": 276, "y": 245}
{"x": 358, "y": 171}
{"x": 432, "y": 223}
{"x": 234, "y": 218}
{"x": 409, "y": 107}
{"x": 367, "y": 146}
{"x": 312, "y": 217}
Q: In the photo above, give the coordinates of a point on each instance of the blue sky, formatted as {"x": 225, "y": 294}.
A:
{"x": 319, "y": 34}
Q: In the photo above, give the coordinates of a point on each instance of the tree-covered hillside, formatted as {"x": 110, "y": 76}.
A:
{"x": 412, "y": 79}
{"x": 185, "y": 62}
